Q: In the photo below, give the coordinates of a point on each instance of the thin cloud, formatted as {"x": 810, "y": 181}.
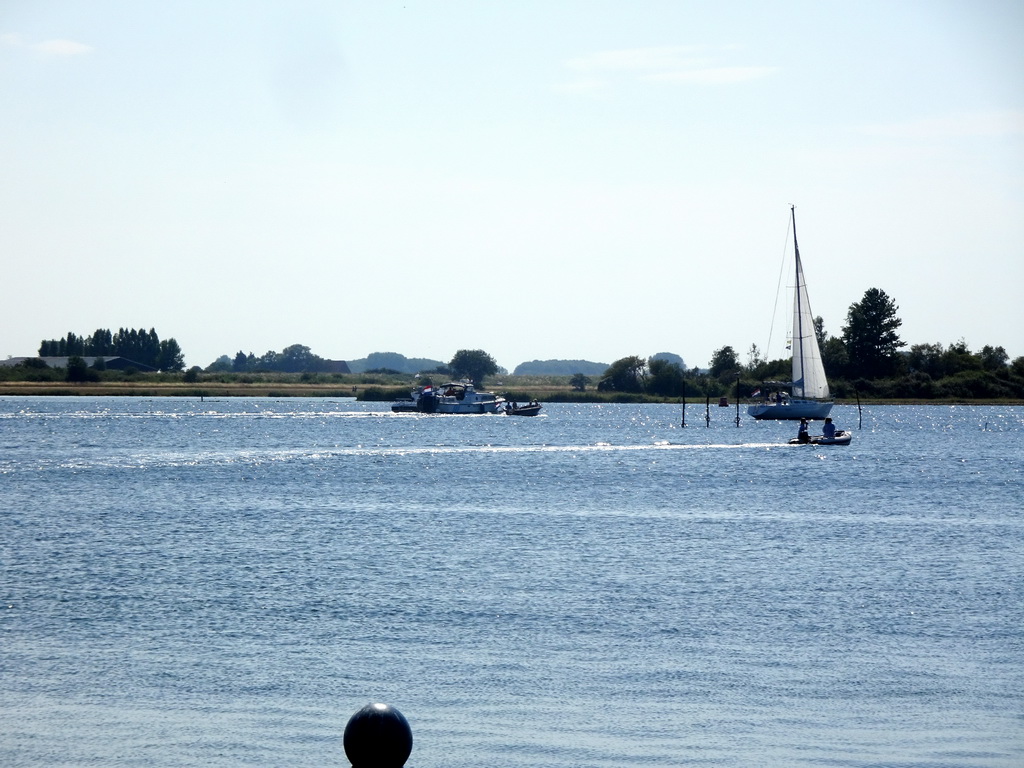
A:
{"x": 715, "y": 75}
{"x": 998, "y": 123}
{"x": 637, "y": 59}
{"x": 58, "y": 47}
{"x": 700, "y": 65}
{"x": 62, "y": 48}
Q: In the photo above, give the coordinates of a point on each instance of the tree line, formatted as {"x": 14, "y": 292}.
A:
{"x": 867, "y": 357}
{"x": 139, "y": 346}
{"x": 297, "y": 358}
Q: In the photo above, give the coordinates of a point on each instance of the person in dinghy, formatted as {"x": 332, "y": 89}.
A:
{"x": 829, "y": 435}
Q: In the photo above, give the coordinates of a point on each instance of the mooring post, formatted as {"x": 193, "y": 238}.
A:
{"x": 707, "y": 412}
{"x": 684, "y": 405}
{"x": 737, "y": 400}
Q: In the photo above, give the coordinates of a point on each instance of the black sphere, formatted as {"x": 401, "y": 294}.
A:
{"x": 378, "y": 736}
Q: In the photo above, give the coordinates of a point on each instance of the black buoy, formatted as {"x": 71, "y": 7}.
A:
{"x": 378, "y": 736}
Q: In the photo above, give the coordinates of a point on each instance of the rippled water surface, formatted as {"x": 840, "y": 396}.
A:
{"x": 224, "y": 583}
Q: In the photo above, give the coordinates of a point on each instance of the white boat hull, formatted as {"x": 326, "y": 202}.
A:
{"x": 791, "y": 410}
{"x": 451, "y": 398}
{"x": 481, "y": 406}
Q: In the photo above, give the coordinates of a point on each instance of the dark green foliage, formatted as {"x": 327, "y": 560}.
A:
{"x": 724, "y": 362}
{"x": 382, "y": 394}
{"x": 664, "y": 378}
{"x": 819, "y": 330}
{"x": 473, "y": 364}
{"x": 170, "y": 359}
{"x": 221, "y": 365}
{"x": 771, "y": 370}
{"x": 31, "y": 369}
{"x": 579, "y": 382}
{"x": 139, "y": 346}
{"x": 624, "y": 375}
{"x": 870, "y": 335}
{"x": 101, "y": 343}
{"x": 296, "y": 358}
{"x": 77, "y": 371}
{"x": 993, "y": 358}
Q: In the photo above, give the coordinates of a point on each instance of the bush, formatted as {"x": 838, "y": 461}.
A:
{"x": 980, "y": 384}
{"x": 78, "y": 372}
{"x": 382, "y": 394}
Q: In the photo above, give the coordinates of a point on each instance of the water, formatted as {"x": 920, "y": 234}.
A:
{"x": 224, "y": 583}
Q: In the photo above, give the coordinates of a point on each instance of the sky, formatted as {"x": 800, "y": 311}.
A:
{"x": 538, "y": 179}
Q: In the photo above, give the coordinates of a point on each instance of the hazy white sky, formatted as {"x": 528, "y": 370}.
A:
{"x": 537, "y": 179}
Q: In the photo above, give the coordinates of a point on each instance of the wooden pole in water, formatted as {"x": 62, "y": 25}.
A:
{"x": 860, "y": 413}
{"x": 707, "y": 412}
{"x": 737, "y": 400}
{"x": 684, "y": 406}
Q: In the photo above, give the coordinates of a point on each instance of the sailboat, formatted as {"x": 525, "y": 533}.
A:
{"x": 807, "y": 395}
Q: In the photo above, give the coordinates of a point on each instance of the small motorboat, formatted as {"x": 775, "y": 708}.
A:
{"x": 841, "y": 437}
{"x": 514, "y": 409}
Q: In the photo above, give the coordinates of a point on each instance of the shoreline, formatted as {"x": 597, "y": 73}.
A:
{"x": 284, "y": 390}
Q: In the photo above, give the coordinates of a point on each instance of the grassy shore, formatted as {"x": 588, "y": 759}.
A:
{"x": 544, "y": 389}
{"x": 176, "y": 389}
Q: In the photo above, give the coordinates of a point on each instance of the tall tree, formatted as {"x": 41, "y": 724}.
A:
{"x": 870, "y": 335}
{"x": 993, "y": 358}
{"x": 473, "y": 364}
{"x": 626, "y": 374}
{"x": 754, "y": 358}
{"x": 74, "y": 345}
{"x": 819, "y": 330}
{"x": 298, "y": 358}
{"x": 579, "y": 382}
{"x": 77, "y": 370}
{"x": 664, "y": 377}
{"x": 170, "y": 357}
{"x": 724, "y": 361}
{"x": 100, "y": 343}
{"x": 928, "y": 359}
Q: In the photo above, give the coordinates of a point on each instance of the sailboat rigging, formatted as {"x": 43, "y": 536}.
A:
{"x": 807, "y": 395}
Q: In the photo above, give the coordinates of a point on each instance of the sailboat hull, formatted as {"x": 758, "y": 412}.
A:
{"x": 792, "y": 410}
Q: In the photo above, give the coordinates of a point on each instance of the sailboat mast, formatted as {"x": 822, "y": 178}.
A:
{"x": 798, "y": 351}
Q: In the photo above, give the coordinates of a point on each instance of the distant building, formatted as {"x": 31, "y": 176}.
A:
{"x": 110, "y": 362}
{"x": 336, "y": 366}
